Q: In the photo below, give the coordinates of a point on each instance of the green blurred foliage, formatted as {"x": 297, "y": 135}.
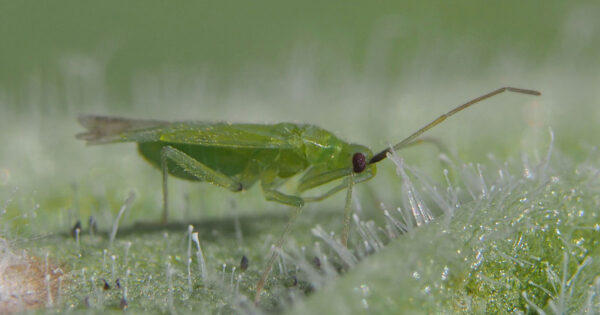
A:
{"x": 225, "y": 38}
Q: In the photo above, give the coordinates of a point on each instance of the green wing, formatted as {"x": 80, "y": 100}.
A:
{"x": 106, "y": 129}
{"x": 103, "y": 129}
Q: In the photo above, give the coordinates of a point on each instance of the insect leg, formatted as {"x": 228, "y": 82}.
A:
{"x": 347, "y": 211}
{"x": 334, "y": 190}
{"x": 193, "y": 167}
{"x": 165, "y": 173}
{"x": 326, "y": 195}
{"x": 278, "y": 246}
{"x": 273, "y": 194}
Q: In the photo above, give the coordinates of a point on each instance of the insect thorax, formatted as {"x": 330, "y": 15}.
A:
{"x": 321, "y": 146}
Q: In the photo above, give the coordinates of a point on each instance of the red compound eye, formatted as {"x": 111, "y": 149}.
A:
{"x": 359, "y": 162}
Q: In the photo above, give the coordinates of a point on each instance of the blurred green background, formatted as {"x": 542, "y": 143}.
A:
{"x": 225, "y": 39}
{"x": 372, "y": 72}
{"x": 58, "y": 47}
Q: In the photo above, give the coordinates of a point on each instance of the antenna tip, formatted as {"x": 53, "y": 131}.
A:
{"x": 524, "y": 91}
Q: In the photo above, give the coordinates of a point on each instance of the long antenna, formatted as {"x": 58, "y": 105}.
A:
{"x": 408, "y": 140}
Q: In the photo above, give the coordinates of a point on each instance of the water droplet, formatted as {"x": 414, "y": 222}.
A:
{"x": 478, "y": 260}
{"x": 445, "y": 273}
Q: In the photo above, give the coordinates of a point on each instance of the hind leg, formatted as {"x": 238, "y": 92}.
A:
{"x": 195, "y": 168}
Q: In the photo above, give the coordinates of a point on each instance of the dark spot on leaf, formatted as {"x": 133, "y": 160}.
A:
{"x": 244, "y": 263}
{"x": 317, "y": 262}
{"x": 106, "y": 285}
{"x": 76, "y": 227}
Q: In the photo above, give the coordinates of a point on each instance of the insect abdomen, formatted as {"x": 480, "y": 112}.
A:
{"x": 228, "y": 162}
{"x": 243, "y": 164}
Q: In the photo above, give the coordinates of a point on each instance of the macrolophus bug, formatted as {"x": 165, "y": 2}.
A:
{"x": 238, "y": 155}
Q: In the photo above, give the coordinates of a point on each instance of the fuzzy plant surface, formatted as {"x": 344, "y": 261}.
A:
{"x": 501, "y": 236}
{"x": 527, "y": 242}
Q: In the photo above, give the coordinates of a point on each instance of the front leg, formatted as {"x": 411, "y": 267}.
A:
{"x": 272, "y": 194}
{"x": 347, "y": 184}
{"x": 195, "y": 168}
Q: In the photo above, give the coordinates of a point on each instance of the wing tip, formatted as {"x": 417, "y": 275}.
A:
{"x": 108, "y": 129}
{"x": 102, "y": 129}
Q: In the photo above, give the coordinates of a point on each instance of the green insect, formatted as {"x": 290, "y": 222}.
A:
{"x": 238, "y": 155}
